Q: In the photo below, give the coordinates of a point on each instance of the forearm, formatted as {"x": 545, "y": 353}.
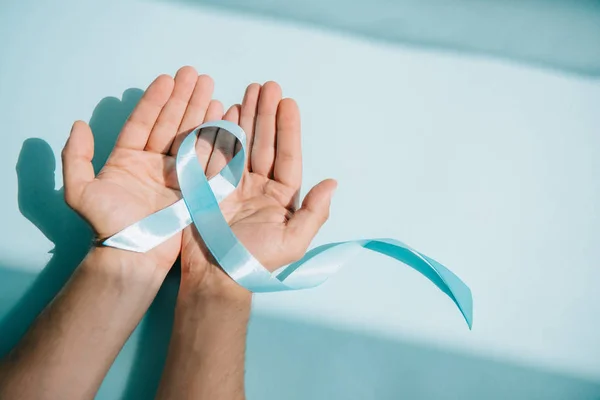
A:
{"x": 70, "y": 347}
{"x": 207, "y": 349}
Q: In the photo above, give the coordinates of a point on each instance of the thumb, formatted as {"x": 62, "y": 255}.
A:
{"x": 77, "y": 161}
{"x": 306, "y": 222}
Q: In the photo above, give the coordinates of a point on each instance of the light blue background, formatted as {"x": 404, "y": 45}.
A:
{"x": 490, "y": 165}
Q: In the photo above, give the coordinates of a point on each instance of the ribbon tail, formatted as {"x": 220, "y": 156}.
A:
{"x": 323, "y": 261}
{"x": 439, "y": 275}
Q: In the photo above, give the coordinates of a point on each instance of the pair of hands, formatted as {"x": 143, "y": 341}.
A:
{"x": 139, "y": 177}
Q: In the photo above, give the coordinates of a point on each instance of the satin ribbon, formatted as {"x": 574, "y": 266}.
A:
{"x": 200, "y": 204}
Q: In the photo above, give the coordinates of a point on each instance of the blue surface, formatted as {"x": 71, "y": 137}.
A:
{"x": 562, "y": 34}
{"x": 499, "y": 162}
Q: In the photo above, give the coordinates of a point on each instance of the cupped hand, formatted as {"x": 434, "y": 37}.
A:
{"x": 262, "y": 210}
{"x": 139, "y": 177}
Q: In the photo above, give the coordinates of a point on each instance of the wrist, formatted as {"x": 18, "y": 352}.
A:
{"x": 123, "y": 266}
{"x": 206, "y": 282}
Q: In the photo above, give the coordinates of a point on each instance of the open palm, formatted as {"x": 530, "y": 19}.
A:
{"x": 262, "y": 210}
{"x": 139, "y": 177}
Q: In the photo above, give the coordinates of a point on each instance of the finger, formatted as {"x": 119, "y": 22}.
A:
{"x": 170, "y": 118}
{"x": 263, "y": 146}
{"x": 288, "y": 157}
{"x": 77, "y": 162}
{"x": 224, "y": 144}
{"x": 206, "y": 138}
{"x": 233, "y": 114}
{"x": 248, "y": 115}
{"x": 138, "y": 126}
{"x": 214, "y": 112}
{"x": 196, "y": 110}
{"x": 306, "y": 222}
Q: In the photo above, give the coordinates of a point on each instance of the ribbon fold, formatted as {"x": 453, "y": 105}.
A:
{"x": 200, "y": 205}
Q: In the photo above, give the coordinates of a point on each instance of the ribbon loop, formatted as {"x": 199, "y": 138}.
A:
{"x": 200, "y": 205}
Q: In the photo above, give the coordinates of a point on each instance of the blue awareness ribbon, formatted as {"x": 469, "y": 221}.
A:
{"x": 200, "y": 204}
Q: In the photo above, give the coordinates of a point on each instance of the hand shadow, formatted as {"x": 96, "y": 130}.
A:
{"x": 45, "y": 207}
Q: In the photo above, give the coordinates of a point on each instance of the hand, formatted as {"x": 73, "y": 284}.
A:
{"x": 261, "y": 211}
{"x": 139, "y": 177}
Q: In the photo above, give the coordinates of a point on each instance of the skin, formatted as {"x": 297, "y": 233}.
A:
{"x": 206, "y": 353}
{"x": 70, "y": 347}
